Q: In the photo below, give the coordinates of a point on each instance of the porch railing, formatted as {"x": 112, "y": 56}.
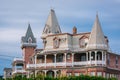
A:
{"x": 18, "y": 71}
{"x": 63, "y": 64}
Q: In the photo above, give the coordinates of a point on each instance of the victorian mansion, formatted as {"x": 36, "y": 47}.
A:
{"x": 66, "y": 54}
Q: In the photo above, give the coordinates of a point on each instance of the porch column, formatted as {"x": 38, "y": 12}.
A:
{"x": 105, "y": 58}
{"x": 90, "y": 57}
{"x": 45, "y": 72}
{"x": 87, "y": 57}
{"x": 95, "y": 58}
{"x": 102, "y": 58}
{"x": 28, "y": 74}
{"x": 15, "y": 68}
{"x": 65, "y": 59}
{"x": 54, "y": 60}
{"x": 35, "y": 65}
{"x": 55, "y": 73}
{"x": 45, "y": 61}
{"x": 72, "y": 59}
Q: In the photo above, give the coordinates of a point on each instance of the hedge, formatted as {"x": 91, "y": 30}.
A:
{"x": 40, "y": 77}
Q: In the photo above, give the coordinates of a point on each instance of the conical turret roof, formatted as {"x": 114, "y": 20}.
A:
{"x": 51, "y": 26}
{"x": 29, "y": 35}
{"x": 97, "y": 39}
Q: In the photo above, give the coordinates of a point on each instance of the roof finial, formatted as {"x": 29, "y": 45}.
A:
{"x": 96, "y": 14}
{"x": 51, "y": 6}
{"x": 28, "y": 24}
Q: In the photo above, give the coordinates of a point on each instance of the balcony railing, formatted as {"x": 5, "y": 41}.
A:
{"x": 63, "y": 64}
{"x": 19, "y": 70}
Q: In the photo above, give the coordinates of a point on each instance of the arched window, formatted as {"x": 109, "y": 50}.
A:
{"x": 47, "y": 29}
{"x": 83, "y": 42}
{"x": 93, "y": 56}
{"x": 68, "y": 56}
{"x": 29, "y": 40}
{"x": 59, "y": 58}
{"x": 56, "y": 42}
{"x": 99, "y": 55}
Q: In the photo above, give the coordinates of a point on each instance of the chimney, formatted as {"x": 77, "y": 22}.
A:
{"x": 74, "y": 30}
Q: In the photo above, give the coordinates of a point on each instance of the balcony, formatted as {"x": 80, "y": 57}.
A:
{"x": 18, "y": 70}
{"x": 66, "y": 64}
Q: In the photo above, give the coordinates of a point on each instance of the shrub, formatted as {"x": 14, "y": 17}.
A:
{"x": 41, "y": 77}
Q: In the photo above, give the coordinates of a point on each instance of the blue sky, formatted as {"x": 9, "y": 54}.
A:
{"x": 16, "y": 14}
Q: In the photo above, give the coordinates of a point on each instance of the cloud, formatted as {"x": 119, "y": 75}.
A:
{"x": 10, "y": 34}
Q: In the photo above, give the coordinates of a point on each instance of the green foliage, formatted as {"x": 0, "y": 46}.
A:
{"x": 112, "y": 79}
{"x": 41, "y": 77}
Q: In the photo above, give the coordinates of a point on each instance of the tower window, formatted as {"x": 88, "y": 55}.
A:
{"x": 56, "y": 43}
{"x": 29, "y": 40}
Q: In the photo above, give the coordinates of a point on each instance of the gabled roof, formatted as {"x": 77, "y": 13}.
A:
{"x": 97, "y": 39}
{"x": 29, "y": 34}
{"x": 51, "y": 26}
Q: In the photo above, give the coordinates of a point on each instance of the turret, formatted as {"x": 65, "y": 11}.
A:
{"x": 51, "y": 26}
{"x": 97, "y": 38}
{"x": 28, "y": 45}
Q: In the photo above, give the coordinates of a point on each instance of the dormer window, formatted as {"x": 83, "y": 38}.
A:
{"x": 29, "y": 40}
{"x": 56, "y": 43}
{"x": 83, "y": 42}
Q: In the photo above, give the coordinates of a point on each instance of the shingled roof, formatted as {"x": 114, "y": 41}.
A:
{"x": 29, "y": 34}
{"x": 51, "y": 26}
{"x": 97, "y": 39}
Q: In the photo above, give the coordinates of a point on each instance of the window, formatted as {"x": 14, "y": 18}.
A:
{"x": 40, "y": 60}
{"x": 10, "y": 73}
{"x": 83, "y": 42}
{"x": 99, "y": 55}
{"x": 93, "y": 56}
{"x": 108, "y": 61}
{"x": 107, "y": 75}
{"x": 104, "y": 74}
{"x": 116, "y": 59}
{"x": 56, "y": 43}
{"x": 47, "y": 29}
{"x": 99, "y": 73}
{"x": 29, "y": 40}
{"x": 69, "y": 74}
{"x": 60, "y": 58}
{"x": 83, "y": 58}
{"x": 44, "y": 42}
{"x": 76, "y": 74}
{"x": 68, "y": 56}
{"x": 92, "y": 73}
